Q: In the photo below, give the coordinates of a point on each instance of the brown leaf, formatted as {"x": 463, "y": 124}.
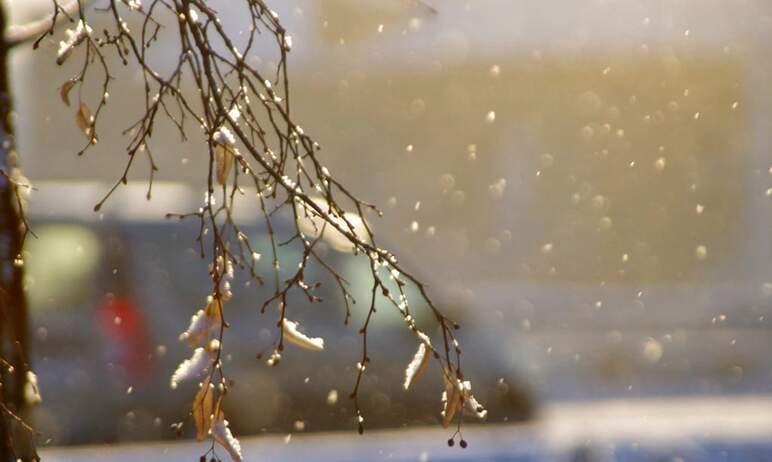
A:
{"x": 218, "y": 414}
{"x": 65, "y": 89}
{"x": 293, "y": 335}
{"x": 214, "y": 308}
{"x": 452, "y": 395}
{"x": 222, "y": 434}
{"x": 85, "y": 122}
{"x": 202, "y": 323}
{"x": 417, "y": 366}
{"x": 451, "y": 406}
{"x": 224, "y": 158}
{"x": 203, "y": 410}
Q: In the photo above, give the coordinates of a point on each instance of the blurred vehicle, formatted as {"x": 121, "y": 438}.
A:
{"x": 110, "y": 294}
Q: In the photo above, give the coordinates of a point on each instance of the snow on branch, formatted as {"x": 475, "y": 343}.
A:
{"x": 241, "y": 118}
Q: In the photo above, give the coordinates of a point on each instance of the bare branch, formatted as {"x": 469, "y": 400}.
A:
{"x": 242, "y": 114}
{"x": 17, "y": 34}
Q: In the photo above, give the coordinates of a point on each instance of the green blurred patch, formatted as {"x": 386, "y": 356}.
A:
{"x": 60, "y": 266}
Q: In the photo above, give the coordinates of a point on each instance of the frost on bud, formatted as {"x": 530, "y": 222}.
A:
{"x": 213, "y": 346}
{"x": 417, "y": 366}
{"x": 193, "y": 15}
{"x": 293, "y": 335}
{"x": 31, "y": 390}
{"x": 194, "y": 366}
{"x": 201, "y": 324}
{"x": 287, "y": 42}
{"x": 274, "y": 359}
{"x": 234, "y": 114}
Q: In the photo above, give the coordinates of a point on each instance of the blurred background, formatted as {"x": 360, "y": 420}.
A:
{"x": 585, "y": 186}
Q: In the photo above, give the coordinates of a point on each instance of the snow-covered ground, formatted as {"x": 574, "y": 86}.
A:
{"x": 695, "y": 429}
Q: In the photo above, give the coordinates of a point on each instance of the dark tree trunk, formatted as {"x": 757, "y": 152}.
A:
{"x": 15, "y": 440}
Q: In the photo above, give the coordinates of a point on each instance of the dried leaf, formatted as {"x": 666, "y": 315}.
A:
{"x": 417, "y": 366}
{"x": 455, "y": 393}
{"x": 293, "y": 335}
{"x": 473, "y": 408}
{"x": 193, "y": 367}
{"x": 224, "y": 153}
{"x": 74, "y": 38}
{"x": 222, "y": 434}
{"x": 198, "y": 330}
{"x": 224, "y": 157}
{"x": 312, "y": 224}
{"x": 214, "y": 308}
{"x": 85, "y": 122}
{"x": 203, "y": 322}
{"x": 452, "y": 398}
{"x": 64, "y": 91}
{"x": 203, "y": 408}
